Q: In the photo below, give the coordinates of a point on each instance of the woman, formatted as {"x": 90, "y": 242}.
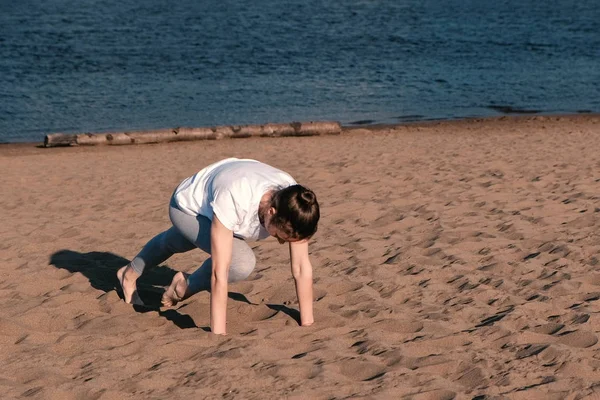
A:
{"x": 216, "y": 210}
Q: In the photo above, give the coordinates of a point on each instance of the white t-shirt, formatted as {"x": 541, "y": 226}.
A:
{"x": 232, "y": 189}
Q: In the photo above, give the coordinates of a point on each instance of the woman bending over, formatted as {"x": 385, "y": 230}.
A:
{"x": 218, "y": 210}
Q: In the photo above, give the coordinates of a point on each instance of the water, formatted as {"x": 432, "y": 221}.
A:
{"x": 94, "y": 66}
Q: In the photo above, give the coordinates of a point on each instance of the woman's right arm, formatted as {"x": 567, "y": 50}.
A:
{"x": 302, "y": 273}
{"x": 221, "y": 244}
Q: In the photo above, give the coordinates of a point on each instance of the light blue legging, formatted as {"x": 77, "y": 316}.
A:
{"x": 187, "y": 233}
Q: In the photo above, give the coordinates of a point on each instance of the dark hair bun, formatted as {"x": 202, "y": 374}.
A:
{"x": 308, "y": 197}
{"x": 297, "y": 211}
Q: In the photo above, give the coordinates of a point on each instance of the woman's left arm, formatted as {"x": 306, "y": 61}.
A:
{"x": 302, "y": 273}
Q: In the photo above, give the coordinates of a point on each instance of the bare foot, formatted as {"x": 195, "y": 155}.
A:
{"x": 176, "y": 291}
{"x": 127, "y": 277}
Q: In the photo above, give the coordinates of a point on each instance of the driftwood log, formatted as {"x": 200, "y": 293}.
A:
{"x": 183, "y": 133}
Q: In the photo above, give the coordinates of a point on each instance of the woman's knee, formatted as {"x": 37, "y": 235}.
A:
{"x": 243, "y": 262}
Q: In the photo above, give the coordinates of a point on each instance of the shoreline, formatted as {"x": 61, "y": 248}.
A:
{"x": 381, "y": 126}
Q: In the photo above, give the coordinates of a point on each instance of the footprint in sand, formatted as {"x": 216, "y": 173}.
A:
{"x": 433, "y": 251}
{"x": 471, "y": 377}
{"x": 531, "y": 350}
{"x": 580, "y": 319}
{"x": 369, "y": 346}
{"x": 349, "y": 314}
{"x": 263, "y": 313}
{"x": 398, "y": 326}
{"x": 548, "y": 329}
{"x": 580, "y": 339}
{"x": 243, "y": 287}
{"x": 319, "y": 294}
{"x": 360, "y": 370}
{"x": 429, "y": 241}
{"x": 553, "y": 356}
{"x": 343, "y": 287}
{"x": 589, "y": 297}
{"x": 296, "y": 371}
{"x": 432, "y": 364}
{"x": 386, "y": 290}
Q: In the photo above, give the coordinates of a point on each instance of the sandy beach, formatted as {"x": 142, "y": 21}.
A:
{"x": 454, "y": 260}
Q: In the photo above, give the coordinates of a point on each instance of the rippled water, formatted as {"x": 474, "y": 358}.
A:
{"x": 92, "y": 66}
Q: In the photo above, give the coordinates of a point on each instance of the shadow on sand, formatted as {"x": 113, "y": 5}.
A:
{"x": 100, "y": 268}
{"x": 294, "y": 314}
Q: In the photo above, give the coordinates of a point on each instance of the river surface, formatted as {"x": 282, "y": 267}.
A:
{"x": 96, "y": 66}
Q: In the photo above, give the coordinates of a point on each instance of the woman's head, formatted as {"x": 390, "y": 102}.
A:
{"x": 293, "y": 214}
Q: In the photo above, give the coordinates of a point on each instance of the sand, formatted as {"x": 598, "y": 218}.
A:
{"x": 454, "y": 260}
